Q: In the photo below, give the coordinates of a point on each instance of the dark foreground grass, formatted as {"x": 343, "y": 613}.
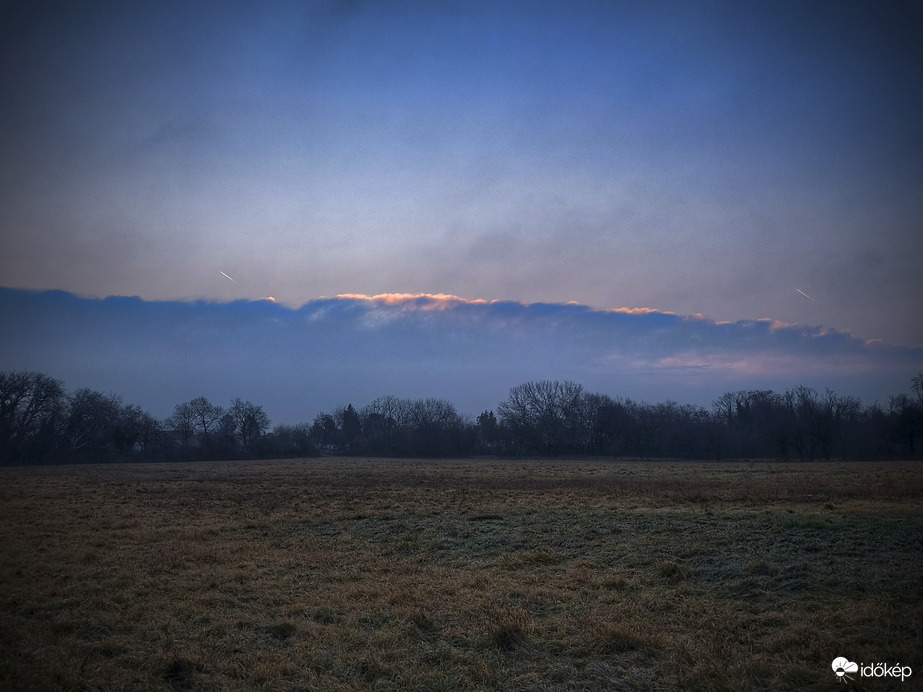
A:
{"x": 339, "y": 574}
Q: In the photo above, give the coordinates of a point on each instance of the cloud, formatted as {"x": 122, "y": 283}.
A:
{"x": 297, "y": 361}
{"x": 414, "y": 301}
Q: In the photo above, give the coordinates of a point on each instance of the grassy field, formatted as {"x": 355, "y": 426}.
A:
{"x": 352, "y": 574}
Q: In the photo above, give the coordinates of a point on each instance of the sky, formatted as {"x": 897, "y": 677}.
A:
{"x": 742, "y": 162}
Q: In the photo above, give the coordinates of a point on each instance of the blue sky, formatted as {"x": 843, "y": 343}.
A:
{"x": 699, "y": 158}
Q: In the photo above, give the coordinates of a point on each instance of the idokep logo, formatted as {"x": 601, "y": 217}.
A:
{"x": 843, "y": 667}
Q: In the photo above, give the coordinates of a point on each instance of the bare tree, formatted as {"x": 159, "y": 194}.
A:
{"x": 250, "y": 423}
{"x": 489, "y": 431}
{"x": 543, "y": 416}
{"x": 92, "y": 423}
{"x": 150, "y": 435}
{"x": 183, "y": 424}
{"x": 609, "y": 424}
{"x": 435, "y": 427}
{"x": 916, "y": 385}
{"x": 31, "y": 412}
{"x": 641, "y": 429}
{"x": 293, "y": 440}
{"x": 206, "y": 416}
{"x": 905, "y": 422}
{"x": 324, "y": 430}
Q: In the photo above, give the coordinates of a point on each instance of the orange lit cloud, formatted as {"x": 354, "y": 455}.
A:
{"x": 415, "y": 301}
{"x": 638, "y": 311}
{"x": 443, "y": 301}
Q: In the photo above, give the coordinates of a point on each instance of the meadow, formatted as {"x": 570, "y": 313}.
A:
{"x": 356, "y": 574}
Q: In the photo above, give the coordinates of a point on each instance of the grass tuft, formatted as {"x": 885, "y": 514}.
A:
{"x": 324, "y": 615}
{"x": 281, "y": 631}
{"x": 673, "y": 571}
{"x": 616, "y": 640}
{"x": 509, "y": 629}
{"x": 181, "y": 673}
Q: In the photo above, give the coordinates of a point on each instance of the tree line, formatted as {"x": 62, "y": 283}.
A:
{"x": 40, "y": 422}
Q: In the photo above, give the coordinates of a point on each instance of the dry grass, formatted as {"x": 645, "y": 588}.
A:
{"x": 344, "y": 574}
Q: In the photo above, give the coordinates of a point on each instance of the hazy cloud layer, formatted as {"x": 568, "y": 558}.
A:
{"x": 705, "y": 156}
{"x": 351, "y": 349}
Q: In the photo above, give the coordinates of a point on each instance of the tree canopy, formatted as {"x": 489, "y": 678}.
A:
{"x": 40, "y": 422}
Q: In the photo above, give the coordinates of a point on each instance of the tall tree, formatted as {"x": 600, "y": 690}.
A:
{"x": 916, "y": 386}
{"x": 206, "y": 416}
{"x": 182, "y": 423}
{"x": 250, "y": 423}
{"x": 92, "y": 424}
{"x": 350, "y": 425}
{"x": 31, "y": 413}
{"x": 608, "y": 428}
{"x": 488, "y": 431}
{"x": 435, "y": 428}
{"x": 293, "y": 440}
{"x": 544, "y": 416}
{"x": 324, "y": 430}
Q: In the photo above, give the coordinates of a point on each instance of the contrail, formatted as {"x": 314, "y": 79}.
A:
{"x": 797, "y": 289}
{"x": 228, "y": 277}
